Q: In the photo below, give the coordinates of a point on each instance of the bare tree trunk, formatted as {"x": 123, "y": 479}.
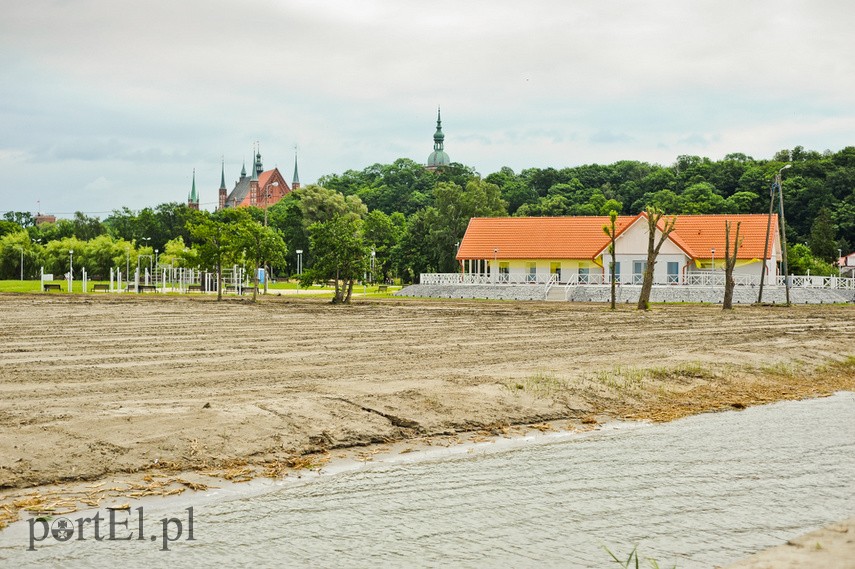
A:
{"x": 349, "y": 291}
{"x": 255, "y": 289}
{"x": 610, "y": 231}
{"x": 730, "y": 264}
{"x": 653, "y": 216}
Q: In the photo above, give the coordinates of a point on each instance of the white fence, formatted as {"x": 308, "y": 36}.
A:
{"x": 690, "y": 280}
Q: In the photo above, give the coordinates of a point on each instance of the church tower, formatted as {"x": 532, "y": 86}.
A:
{"x": 193, "y": 199}
{"x": 438, "y": 157}
{"x": 295, "y": 183}
{"x": 253, "y": 182}
{"x": 223, "y": 190}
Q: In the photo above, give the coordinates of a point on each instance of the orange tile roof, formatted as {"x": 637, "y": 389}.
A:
{"x": 583, "y": 237}
{"x": 705, "y": 232}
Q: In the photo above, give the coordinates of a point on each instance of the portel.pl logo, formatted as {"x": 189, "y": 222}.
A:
{"x": 116, "y": 526}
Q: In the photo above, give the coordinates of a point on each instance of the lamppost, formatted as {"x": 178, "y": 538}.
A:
{"x": 766, "y": 244}
{"x": 70, "y": 267}
{"x": 156, "y": 251}
{"x": 21, "y": 247}
{"x": 712, "y": 270}
{"x": 299, "y": 261}
{"x": 373, "y": 258}
{"x": 456, "y": 251}
{"x": 495, "y": 264}
{"x": 783, "y": 231}
{"x": 266, "y": 197}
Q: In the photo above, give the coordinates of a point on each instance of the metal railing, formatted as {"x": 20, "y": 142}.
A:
{"x": 704, "y": 279}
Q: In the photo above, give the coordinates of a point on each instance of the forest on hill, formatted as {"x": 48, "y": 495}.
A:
{"x": 413, "y": 218}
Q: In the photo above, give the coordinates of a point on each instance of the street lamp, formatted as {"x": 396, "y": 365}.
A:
{"x": 21, "y": 247}
{"x": 373, "y": 258}
{"x": 156, "y": 251}
{"x": 712, "y": 270}
{"x": 299, "y": 261}
{"x": 495, "y": 263}
{"x": 71, "y": 264}
{"x": 783, "y": 231}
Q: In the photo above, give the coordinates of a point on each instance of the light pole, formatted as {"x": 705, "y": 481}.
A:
{"x": 299, "y": 261}
{"x": 21, "y": 247}
{"x": 783, "y": 231}
{"x": 71, "y": 265}
{"x": 156, "y": 251}
{"x": 766, "y": 245}
{"x": 712, "y": 270}
{"x": 373, "y": 258}
{"x": 495, "y": 264}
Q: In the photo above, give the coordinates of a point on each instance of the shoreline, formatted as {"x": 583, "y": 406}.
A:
{"x": 152, "y": 393}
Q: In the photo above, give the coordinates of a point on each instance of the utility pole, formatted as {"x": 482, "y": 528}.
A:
{"x": 784, "y": 232}
{"x": 766, "y": 246}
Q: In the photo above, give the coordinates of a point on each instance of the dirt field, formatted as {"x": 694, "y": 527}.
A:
{"x": 99, "y": 386}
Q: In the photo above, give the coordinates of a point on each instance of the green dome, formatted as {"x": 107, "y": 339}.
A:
{"x": 438, "y": 158}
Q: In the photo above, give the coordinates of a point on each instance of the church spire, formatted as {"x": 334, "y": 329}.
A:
{"x": 438, "y": 137}
{"x": 295, "y": 183}
{"x": 223, "y": 175}
{"x": 243, "y": 169}
{"x": 193, "y": 199}
{"x": 438, "y": 157}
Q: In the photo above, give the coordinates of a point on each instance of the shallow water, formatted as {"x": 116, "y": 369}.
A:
{"x": 698, "y": 492}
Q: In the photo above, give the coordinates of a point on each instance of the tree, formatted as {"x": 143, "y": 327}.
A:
{"x": 611, "y": 231}
{"x": 340, "y": 254}
{"x": 653, "y": 215}
{"x": 213, "y": 241}
{"x": 261, "y": 245}
{"x": 730, "y": 263}
{"x": 823, "y": 236}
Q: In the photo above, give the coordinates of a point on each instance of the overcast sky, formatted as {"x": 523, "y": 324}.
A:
{"x": 110, "y": 103}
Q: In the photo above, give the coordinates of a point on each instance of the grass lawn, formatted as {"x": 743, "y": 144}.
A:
{"x": 35, "y": 286}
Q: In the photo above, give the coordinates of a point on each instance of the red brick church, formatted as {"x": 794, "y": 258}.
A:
{"x": 262, "y": 188}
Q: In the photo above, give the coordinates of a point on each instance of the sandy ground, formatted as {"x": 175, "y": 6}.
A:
{"x": 95, "y": 388}
{"x": 832, "y": 547}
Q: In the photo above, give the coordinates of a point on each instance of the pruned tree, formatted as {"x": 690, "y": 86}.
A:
{"x": 654, "y": 215}
{"x": 730, "y": 263}
{"x": 611, "y": 231}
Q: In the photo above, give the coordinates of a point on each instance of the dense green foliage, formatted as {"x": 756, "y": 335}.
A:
{"x": 413, "y": 218}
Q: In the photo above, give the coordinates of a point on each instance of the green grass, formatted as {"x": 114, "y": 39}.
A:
{"x": 35, "y": 286}
{"x": 540, "y": 384}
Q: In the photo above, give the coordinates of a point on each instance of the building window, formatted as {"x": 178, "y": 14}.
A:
{"x": 673, "y": 272}
{"x": 638, "y": 269}
{"x": 555, "y": 269}
{"x": 532, "y": 272}
{"x": 584, "y": 275}
{"x": 617, "y": 272}
{"x": 504, "y": 271}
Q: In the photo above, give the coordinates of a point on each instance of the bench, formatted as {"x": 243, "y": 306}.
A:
{"x": 101, "y": 287}
{"x": 382, "y": 288}
{"x": 142, "y": 287}
{"x": 53, "y": 287}
{"x": 194, "y": 288}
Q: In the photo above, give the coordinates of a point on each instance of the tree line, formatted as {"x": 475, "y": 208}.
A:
{"x": 413, "y": 219}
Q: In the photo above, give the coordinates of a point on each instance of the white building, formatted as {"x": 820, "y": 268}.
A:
{"x": 575, "y": 249}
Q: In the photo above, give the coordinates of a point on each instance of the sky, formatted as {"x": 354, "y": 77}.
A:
{"x": 107, "y": 104}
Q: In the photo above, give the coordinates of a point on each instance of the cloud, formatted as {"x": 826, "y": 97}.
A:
{"x": 550, "y": 83}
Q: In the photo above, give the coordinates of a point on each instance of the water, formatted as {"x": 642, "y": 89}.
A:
{"x": 697, "y": 492}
